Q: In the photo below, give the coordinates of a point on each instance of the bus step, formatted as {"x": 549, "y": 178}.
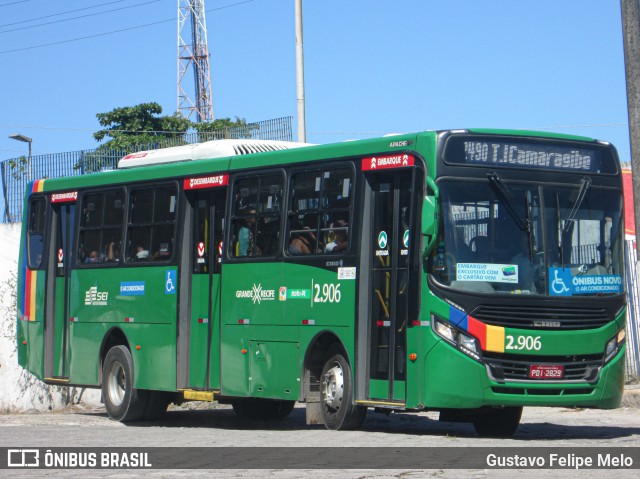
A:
{"x": 191, "y": 395}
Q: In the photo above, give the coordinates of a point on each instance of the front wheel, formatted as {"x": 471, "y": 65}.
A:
{"x": 121, "y": 400}
{"x": 497, "y": 422}
{"x": 336, "y": 396}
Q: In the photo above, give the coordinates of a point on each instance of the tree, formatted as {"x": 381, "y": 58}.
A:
{"x": 224, "y": 128}
{"x": 140, "y": 126}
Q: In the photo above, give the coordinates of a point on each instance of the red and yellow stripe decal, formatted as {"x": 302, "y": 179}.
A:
{"x": 491, "y": 337}
{"x": 30, "y": 295}
{"x": 31, "y": 277}
{"x": 38, "y": 186}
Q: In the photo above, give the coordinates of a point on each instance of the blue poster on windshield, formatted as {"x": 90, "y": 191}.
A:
{"x": 563, "y": 283}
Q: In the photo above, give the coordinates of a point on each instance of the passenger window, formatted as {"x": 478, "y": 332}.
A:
{"x": 151, "y": 228}
{"x": 256, "y": 216}
{"x": 35, "y": 232}
{"x": 319, "y": 212}
{"x": 101, "y": 227}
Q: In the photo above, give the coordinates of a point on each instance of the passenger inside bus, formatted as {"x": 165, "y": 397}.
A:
{"x": 246, "y": 238}
{"x": 299, "y": 244}
{"x": 142, "y": 252}
{"x": 337, "y": 237}
{"x": 93, "y": 257}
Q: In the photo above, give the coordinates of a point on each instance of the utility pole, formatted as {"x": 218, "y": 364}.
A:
{"x": 630, "y": 10}
{"x": 302, "y": 128}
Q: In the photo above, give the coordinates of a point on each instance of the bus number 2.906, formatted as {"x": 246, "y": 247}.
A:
{"x": 527, "y": 343}
{"x": 326, "y": 293}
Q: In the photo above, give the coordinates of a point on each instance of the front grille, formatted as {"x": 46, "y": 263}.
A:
{"x": 576, "y": 368}
{"x": 542, "y": 318}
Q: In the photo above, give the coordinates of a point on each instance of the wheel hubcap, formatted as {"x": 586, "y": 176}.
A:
{"x": 333, "y": 387}
{"x": 116, "y": 384}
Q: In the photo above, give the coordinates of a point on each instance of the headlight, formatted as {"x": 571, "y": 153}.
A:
{"x": 613, "y": 345}
{"x": 461, "y": 340}
{"x": 468, "y": 342}
{"x": 444, "y": 330}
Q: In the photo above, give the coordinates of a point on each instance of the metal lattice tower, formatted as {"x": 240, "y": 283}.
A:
{"x": 193, "y": 62}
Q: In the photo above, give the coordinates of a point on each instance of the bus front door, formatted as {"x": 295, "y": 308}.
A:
{"x": 56, "y": 336}
{"x": 199, "y": 351}
{"x": 385, "y": 255}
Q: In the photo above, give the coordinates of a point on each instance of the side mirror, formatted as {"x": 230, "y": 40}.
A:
{"x": 430, "y": 215}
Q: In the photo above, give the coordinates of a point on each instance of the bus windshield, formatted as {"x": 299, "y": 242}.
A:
{"x": 526, "y": 238}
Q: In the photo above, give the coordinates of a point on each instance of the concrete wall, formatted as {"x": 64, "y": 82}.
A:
{"x": 19, "y": 390}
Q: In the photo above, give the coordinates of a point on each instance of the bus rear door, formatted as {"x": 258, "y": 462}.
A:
{"x": 56, "y": 336}
{"x": 199, "y": 326}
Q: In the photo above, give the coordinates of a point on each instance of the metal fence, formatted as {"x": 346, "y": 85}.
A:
{"x": 17, "y": 172}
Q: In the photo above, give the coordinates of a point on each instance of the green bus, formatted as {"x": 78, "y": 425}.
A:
{"x": 471, "y": 272}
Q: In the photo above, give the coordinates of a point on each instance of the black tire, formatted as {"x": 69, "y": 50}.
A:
{"x": 336, "y": 395}
{"x": 262, "y": 409}
{"x": 497, "y": 422}
{"x": 157, "y": 404}
{"x": 121, "y": 400}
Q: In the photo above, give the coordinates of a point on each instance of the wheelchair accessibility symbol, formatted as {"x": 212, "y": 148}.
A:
{"x": 560, "y": 284}
{"x": 170, "y": 282}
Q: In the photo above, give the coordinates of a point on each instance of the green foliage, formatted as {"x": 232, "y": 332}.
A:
{"x": 19, "y": 167}
{"x": 224, "y": 128}
{"x": 131, "y": 127}
{"x": 142, "y": 127}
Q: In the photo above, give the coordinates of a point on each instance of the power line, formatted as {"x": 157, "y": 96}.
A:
{"x": 62, "y": 13}
{"x": 13, "y": 3}
{"x": 113, "y": 32}
{"x": 79, "y": 16}
{"x": 86, "y": 37}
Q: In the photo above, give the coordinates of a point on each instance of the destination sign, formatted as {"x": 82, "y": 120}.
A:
{"x": 68, "y": 197}
{"x": 501, "y": 152}
{"x": 206, "y": 182}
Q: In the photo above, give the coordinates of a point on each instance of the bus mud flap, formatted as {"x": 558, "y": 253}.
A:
{"x": 314, "y": 411}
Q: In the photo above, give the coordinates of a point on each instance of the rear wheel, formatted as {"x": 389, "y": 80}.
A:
{"x": 121, "y": 400}
{"x": 497, "y": 422}
{"x": 336, "y": 395}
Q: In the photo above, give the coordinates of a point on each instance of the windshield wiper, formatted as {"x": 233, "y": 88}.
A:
{"x": 585, "y": 183}
{"x": 507, "y": 199}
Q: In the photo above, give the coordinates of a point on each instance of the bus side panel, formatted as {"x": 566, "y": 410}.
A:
{"x": 249, "y": 298}
{"x": 274, "y": 367}
{"x": 30, "y": 335}
{"x": 421, "y": 340}
{"x": 234, "y": 351}
{"x": 284, "y": 312}
{"x": 138, "y": 302}
{"x": 154, "y": 362}
{"x": 154, "y": 366}
{"x": 30, "y": 317}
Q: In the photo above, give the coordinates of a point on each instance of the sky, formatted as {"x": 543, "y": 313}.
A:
{"x": 371, "y": 67}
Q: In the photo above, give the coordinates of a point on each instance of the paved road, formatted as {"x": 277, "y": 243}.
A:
{"x": 193, "y": 425}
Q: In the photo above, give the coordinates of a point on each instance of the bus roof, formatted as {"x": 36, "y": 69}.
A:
{"x": 205, "y": 150}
